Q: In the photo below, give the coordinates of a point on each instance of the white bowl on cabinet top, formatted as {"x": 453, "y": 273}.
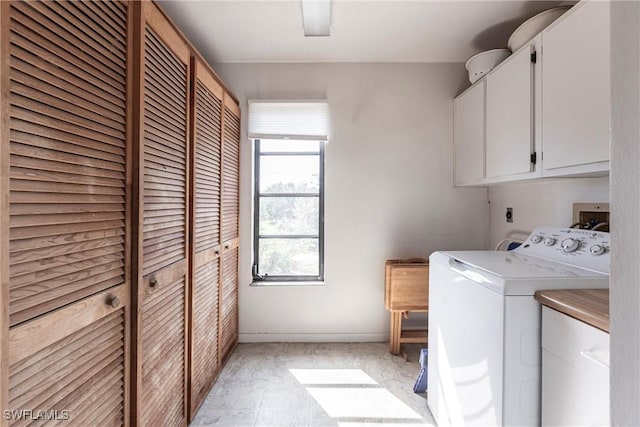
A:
{"x": 481, "y": 63}
{"x": 532, "y": 26}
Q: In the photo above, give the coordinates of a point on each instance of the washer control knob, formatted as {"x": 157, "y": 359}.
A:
{"x": 570, "y": 245}
{"x": 536, "y": 238}
{"x": 549, "y": 241}
{"x": 597, "y": 250}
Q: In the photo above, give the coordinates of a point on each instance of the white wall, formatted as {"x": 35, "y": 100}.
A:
{"x": 625, "y": 204}
{"x": 389, "y": 191}
{"x": 541, "y": 203}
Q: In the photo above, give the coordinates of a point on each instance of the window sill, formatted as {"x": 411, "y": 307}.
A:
{"x": 265, "y": 283}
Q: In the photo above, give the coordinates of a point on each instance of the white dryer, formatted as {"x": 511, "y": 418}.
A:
{"x": 484, "y": 324}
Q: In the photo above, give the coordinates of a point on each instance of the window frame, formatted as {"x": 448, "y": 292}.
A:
{"x": 257, "y": 278}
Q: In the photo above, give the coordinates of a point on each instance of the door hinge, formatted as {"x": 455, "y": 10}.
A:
{"x": 534, "y": 157}
{"x": 534, "y": 56}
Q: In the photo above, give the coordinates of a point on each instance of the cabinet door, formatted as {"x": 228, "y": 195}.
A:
{"x": 162, "y": 208}
{"x": 230, "y": 215}
{"x": 575, "y": 372}
{"x": 207, "y": 117}
{"x": 468, "y": 137}
{"x": 575, "y": 93}
{"x": 71, "y": 363}
{"x": 510, "y": 116}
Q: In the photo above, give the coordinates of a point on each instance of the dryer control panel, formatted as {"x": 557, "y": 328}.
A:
{"x": 581, "y": 248}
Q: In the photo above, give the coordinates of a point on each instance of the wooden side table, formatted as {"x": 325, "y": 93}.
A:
{"x": 406, "y": 290}
{"x": 399, "y": 336}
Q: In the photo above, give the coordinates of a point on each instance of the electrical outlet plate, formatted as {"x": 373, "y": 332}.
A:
{"x": 591, "y": 213}
{"x": 509, "y": 215}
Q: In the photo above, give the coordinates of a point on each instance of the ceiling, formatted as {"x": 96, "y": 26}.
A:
{"x": 361, "y": 30}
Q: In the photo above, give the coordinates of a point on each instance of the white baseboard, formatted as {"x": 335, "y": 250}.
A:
{"x": 267, "y": 337}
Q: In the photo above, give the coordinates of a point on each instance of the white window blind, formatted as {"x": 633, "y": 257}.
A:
{"x": 289, "y": 120}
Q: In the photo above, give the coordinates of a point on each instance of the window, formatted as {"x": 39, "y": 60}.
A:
{"x": 288, "y": 190}
{"x": 288, "y": 220}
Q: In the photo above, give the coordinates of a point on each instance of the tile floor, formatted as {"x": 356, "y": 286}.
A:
{"x": 316, "y": 384}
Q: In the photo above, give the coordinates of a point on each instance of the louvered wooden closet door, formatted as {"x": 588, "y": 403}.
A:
{"x": 68, "y": 96}
{"x": 162, "y": 263}
{"x": 68, "y": 288}
{"x": 206, "y": 234}
{"x": 230, "y": 215}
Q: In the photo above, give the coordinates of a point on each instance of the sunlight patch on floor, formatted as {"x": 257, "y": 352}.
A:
{"x": 332, "y": 376}
{"x": 385, "y": 423}
{"x": 354, "y": 399}
{"x": 361, "y": 403}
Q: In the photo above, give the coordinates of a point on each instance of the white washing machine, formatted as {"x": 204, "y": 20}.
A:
{"x": 484, "y": 324}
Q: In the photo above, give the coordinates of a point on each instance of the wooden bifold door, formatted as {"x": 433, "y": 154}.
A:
{"x": 230, "y": 214}
{"x": 119, "y": 161}
{"x": 186, "y": 308}
{"x": 214, "y": 215}
{"x": 65, "y": 208}
{"x": 206, "y": 170}
{"x": 162, "y": 231}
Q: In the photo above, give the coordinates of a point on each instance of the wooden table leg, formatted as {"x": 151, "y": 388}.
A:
{"x": 395, "y": 331}
{"x": 392, "y": 328}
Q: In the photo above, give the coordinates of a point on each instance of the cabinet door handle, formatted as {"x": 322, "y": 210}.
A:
{"x": 588, "y": 354}
{"x": 113, "y": 301}
{"x": 153, "y": 283}
{"x": 226, "y": 246}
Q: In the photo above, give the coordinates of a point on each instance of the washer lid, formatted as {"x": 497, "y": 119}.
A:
{"x": 510, "y": 273}
{"x": 512, "y": 265}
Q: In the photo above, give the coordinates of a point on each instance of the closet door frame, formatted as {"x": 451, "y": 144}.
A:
{"x": 4, "y": 206}
{"x": 145, "y": 12}
{"x": 129, "y": 210}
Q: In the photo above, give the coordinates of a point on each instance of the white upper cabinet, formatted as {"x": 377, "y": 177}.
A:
{"x": 544, "y": 115}
{"x": 510, "y": 116}
{"x": 576, "y": 90}
{"x": 468, "y": 135}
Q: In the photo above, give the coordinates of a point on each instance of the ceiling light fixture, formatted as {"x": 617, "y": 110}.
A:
{"x": 316, "y": 18}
